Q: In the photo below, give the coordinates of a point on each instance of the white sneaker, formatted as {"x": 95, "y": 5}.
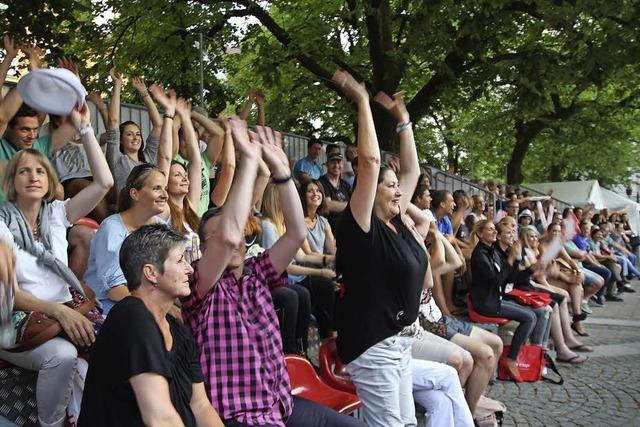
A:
{"x": 586, "y": 308}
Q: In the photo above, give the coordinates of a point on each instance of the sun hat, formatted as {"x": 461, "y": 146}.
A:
{"x": 52, "y": 90}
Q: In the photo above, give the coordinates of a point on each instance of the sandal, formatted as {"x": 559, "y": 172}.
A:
{"x": 575, "y": 360}
{"x": 582, "y": 348}
{"x": 582, "y": 334}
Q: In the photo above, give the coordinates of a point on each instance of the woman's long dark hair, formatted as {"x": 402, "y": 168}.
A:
{"x": 141, "y": 149}
{"x": 322, "y": 209}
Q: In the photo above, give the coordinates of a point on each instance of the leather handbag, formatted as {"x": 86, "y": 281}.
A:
{"x": 34, "y": 328}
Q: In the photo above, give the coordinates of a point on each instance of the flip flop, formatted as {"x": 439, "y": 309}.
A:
{"x": 582, "y": 348}
{"x": 575, "y": 360}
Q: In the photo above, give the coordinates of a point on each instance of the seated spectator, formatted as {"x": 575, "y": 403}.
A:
{"x": 319, "y": 231}
{"x": 626, "y": 258}
{"x": 310, "y": 167}
{"x": 125, "y": 147}
{"x": 525, "y": 218}
{"x": 478, "y": 207}
{"x": 336, "y": 189}
{"x": 581, "y": 241}
{"x": 490, "y": 275}
{"x": 36, "y": 227}
{"x": 607, "y": 259}
{"x": 230, "y": 311}
{"x": 317, "y": 279}
{"x": 142, "y": 199}
{"x": 183, "y": 187}
{"x": 148, "y": 374}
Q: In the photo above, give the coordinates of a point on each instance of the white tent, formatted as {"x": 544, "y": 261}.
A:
{"x": 581, "y": 193}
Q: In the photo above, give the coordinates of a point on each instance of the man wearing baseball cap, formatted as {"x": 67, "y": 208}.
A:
{"x": 337, "y": 189}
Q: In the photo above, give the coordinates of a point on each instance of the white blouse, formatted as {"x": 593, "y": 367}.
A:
{"x": 33, "y": 278}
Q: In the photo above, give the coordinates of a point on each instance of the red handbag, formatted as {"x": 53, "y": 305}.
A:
{"x": 531, "y": 362}
{"x": 533, "y": 299}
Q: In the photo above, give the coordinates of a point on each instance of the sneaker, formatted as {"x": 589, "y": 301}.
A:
{"x": 596, "y": 302}
{"x": 613, "y": 298}
{"x": 627, "y": 288}
{"x": 585, "y": 307}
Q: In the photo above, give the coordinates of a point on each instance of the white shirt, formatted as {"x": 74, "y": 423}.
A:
{"x": 33, "y": 278}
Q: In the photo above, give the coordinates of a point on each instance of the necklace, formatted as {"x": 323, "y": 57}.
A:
{"x": 36, "y": 229}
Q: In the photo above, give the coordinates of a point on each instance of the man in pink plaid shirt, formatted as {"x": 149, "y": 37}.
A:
{"x": 230, "y": 310}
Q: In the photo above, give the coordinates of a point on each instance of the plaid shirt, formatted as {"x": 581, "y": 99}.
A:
{"x": 238, "y": 335}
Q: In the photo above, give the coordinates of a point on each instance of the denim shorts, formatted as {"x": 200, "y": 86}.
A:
{"x": 455, "y": 326}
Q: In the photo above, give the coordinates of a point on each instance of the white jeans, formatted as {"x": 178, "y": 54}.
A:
{"x": 437, "y": 388}
{"x": 382, "y": 376}
{"x": 60, "y": 378}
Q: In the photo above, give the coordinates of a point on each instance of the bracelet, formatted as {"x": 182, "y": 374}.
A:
{"x": 144, "y": 95}
{"x": 168, "y": 116}
{"x": 278, "y": 181}
{"x": 85, "y": 129}
{"x": 401, "y": 127}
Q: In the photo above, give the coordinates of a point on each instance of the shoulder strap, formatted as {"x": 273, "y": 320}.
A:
{"x": 552, "y": 365}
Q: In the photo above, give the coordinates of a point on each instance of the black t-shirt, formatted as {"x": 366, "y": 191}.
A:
{"x": 383, "y": 273}
{"x": 130, "y": 343}
{"x": 342, "y": 193}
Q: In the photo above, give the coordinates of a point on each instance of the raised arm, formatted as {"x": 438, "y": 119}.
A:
{"x": 409, "y": 167}
{"x": 259, "y": 96}
{"x": 154, "y": 115}
{"x": 165, "y": 150}
{"x": 262, "y": 180}
{"x": 288, "y": 244}
{"x": 183, "y": 108}
{"x": 87, "y": 199}
{"x": 246, "y": 108}
{"x": 114, "y": 102}
{"x": 228, "y": 233}
{"x": 10, "y": 52}
{"x": 97, "y": 100}
{"x": 368, "y": 150}
{"x": 227, "y": 166}
{"x": 216, "y": 136}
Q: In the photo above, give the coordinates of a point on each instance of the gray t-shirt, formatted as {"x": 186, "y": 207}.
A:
{"x": 121, "y": 164}
{"x": 71, "y": 162}
{"x": 316, "y": 236}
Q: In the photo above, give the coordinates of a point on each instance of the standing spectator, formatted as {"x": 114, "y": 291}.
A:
{"x": 309, "y": 168}
{"x": 337, "y": 189}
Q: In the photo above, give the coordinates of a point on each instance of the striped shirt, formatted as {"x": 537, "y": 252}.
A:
{"x": 237, "y": 332}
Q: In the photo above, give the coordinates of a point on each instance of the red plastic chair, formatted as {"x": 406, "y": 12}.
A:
{"x": 306, "y": 383}
{"x": 332, "y": 370}
{"x": 88, "y": 222}
{"x": 479, "y": 318}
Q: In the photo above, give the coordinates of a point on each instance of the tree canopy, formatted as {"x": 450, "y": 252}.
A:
{"x": 534, "y": 89}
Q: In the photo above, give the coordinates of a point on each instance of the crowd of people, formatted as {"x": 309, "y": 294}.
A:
{"x": 214, "y": 255}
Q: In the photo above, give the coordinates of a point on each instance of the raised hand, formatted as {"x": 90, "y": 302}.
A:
{"x": 259, "y": 97}
{"x": 34, "y": 53}
{"x": 97, "y": 100}
{"x": 115, "y": 76}
{"x": 138, "y": 85}
{"x": 395, "y": 106}
{"x": 68, "y": 63}
{"x": 245, "y": 146}
{"x": 183, "y": 107}
{"x": 272, "y": 152}
{"x": 166, "y": 101}
{"x": 357, "y": 92}
{"x": 80, "y": 117}
{"x": 10, "y": 49}
{"x": 224, "y": 120}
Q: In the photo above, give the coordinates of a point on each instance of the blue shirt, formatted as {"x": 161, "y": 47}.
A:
{"x": 444, "y": 225}
{"x": 312, "y": 168}
{"x": 103, "y": 271}
{"x": 581, "y": 242}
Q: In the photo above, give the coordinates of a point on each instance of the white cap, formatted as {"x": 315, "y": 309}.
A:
{"x": 52, "y": 90}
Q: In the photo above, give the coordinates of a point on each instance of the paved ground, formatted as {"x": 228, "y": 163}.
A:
{"x": 604, "y": 391}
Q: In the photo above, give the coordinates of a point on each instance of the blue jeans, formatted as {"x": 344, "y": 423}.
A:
{"x": 310, "y": 414}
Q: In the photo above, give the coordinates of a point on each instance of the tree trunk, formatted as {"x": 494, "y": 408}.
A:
{"x": 525, "y": 134}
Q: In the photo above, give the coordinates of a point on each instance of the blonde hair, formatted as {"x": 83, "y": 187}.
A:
{"x": 477, "y": 228}
{"x": 8, "y": 185}
{"x": 271, "y": 208}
